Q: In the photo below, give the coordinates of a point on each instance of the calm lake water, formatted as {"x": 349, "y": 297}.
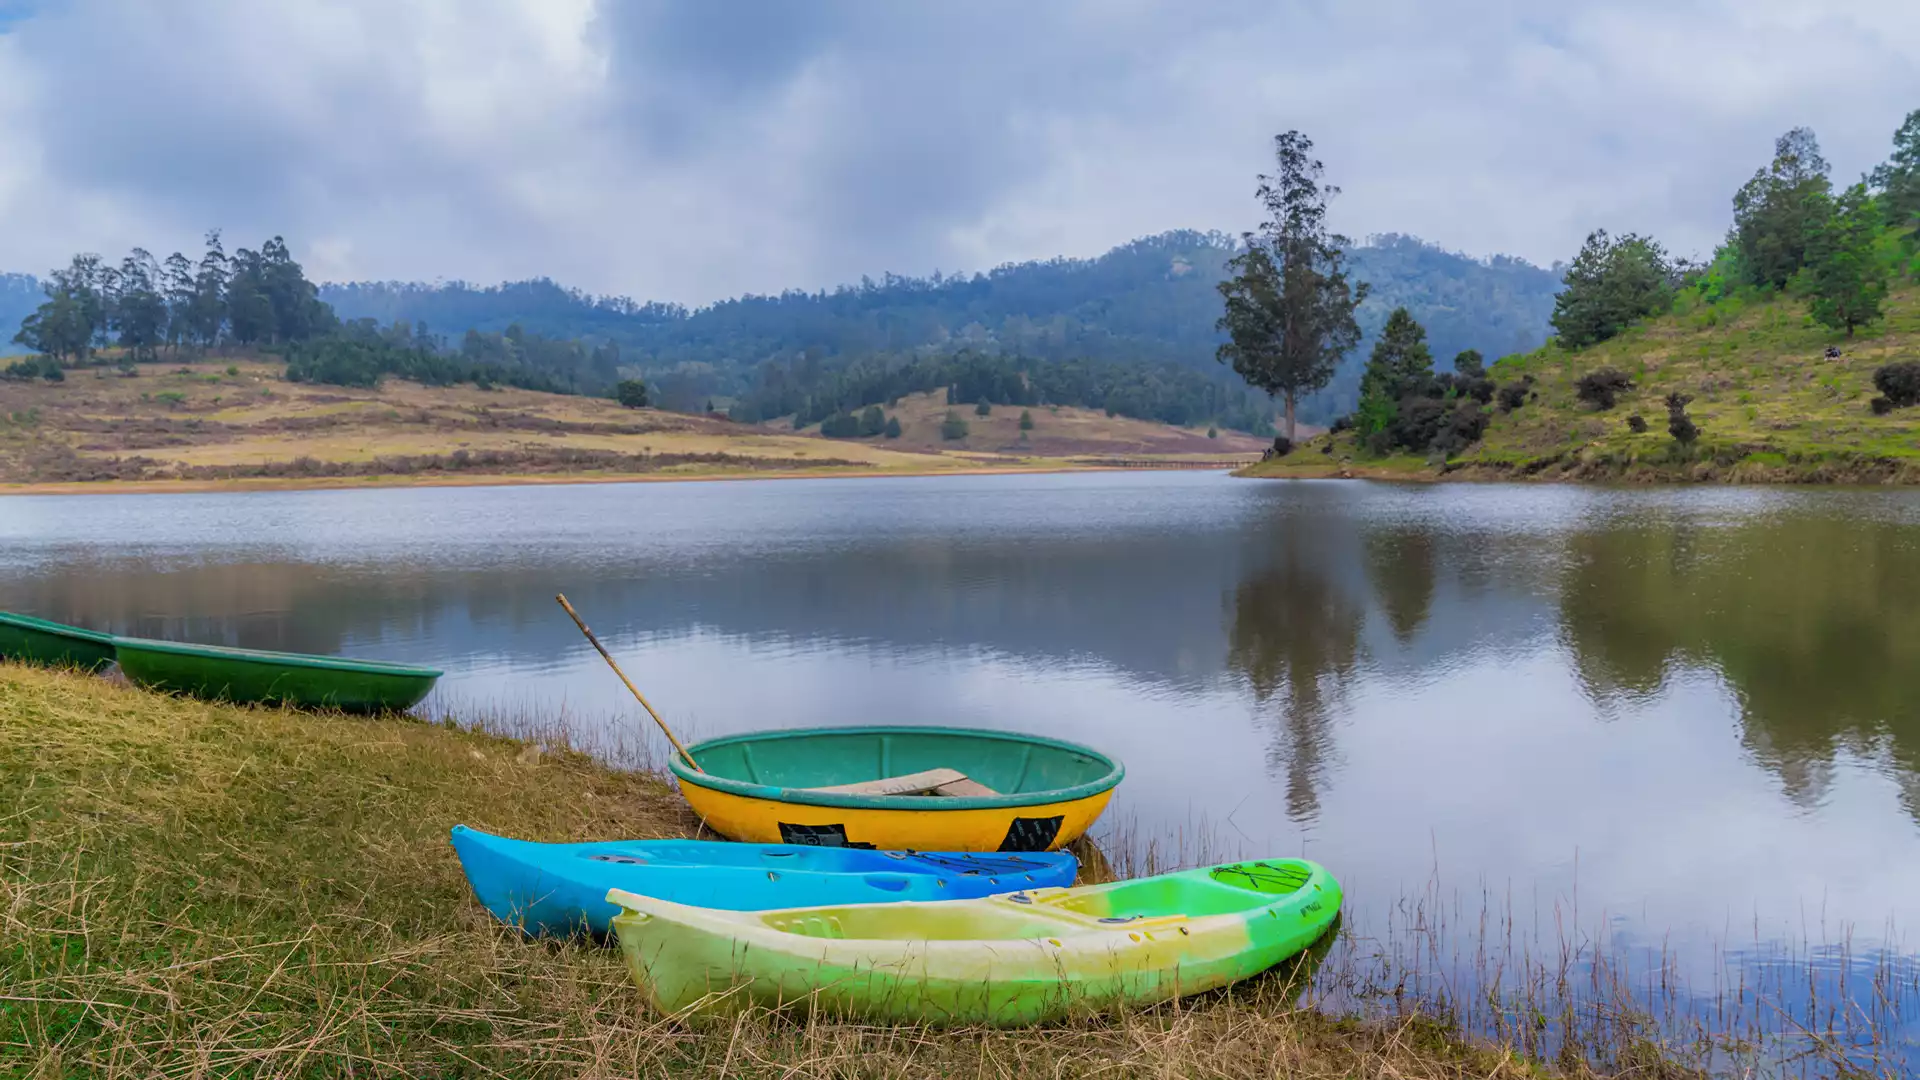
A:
{"x": 1685, "y": 720}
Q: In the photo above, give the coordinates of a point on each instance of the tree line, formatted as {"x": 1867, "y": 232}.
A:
{"x": 814, "y": 389}
{"x": 361, "y": 353}
{"x": 145, "y": 305}
{"x": 1793, "y": 233}
{"x": 150, "y": 308}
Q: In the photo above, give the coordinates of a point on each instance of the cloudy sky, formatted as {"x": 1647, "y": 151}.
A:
{"x": 691, "y": 150}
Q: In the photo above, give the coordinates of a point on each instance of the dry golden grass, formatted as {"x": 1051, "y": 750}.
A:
{"x": 196, "y": 423}
{"x": 194, "y": 890}
{"x": 1061, "y": 432}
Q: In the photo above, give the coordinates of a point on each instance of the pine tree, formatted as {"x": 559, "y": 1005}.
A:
{"x": 1289, "y": 306}
{"x": 139, "y": 308}
{"x": 177, "y": 288}
{"x": 1777, "y": 213}
{"x": 1899, "y": 179}
{"x": 208, "y": 312}
{"x": 1848, "y": 282}
{"x": 298, "y": 313}
{"x": 250, "y": 315}
{"x": 1400, "y": 366}
{"x": 1610, "y": 284}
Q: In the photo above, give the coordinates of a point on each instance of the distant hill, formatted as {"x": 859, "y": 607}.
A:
{"x": 1151, "y": 301}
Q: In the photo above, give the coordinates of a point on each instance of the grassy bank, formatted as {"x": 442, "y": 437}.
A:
{"x": 1770, "y": 406}
{"x": 199, "y": 890}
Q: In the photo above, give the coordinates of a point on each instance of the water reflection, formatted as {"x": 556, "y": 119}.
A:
{"x": 1400, "y": 563}
{"x": 1295, "y": 637}
{"x": 1813, "y": 622}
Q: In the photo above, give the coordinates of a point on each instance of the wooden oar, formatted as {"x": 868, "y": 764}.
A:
{"x": 623, "y": 678}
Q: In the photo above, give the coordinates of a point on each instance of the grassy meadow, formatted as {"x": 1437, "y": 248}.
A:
{"x": 236, "y": 422}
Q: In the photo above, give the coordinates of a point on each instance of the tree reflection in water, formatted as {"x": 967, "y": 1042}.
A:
{"x": 1294, "y": 636}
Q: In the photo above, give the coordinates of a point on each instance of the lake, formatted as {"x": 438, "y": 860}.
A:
{"x": 1678, "y": 724}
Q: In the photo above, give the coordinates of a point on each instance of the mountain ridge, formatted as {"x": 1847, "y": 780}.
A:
{"x": 1150, "y": 300}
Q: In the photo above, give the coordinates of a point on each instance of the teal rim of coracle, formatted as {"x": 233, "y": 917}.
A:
{"x": 803, "y": 797}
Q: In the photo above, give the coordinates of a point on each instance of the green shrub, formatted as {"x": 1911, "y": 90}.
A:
{"x": 1900, "y": 382}
{"x": 1602, "y": 388}
{"x": 631, "y": 393}
{"x": 1679, "y": 424}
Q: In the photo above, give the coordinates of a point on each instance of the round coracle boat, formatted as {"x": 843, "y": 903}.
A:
{"x": 912, "y": 788}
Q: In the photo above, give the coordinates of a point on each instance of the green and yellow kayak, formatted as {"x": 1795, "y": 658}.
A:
{"x": 898, "y": 787}
{"x": 1019, "y": 958}
{"x": 38, "y": 641}
{"x": 252, "y": 676}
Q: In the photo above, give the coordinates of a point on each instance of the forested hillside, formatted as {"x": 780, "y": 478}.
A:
{"x": 1149, "y": 306}
{"x": 1132, "y": 331}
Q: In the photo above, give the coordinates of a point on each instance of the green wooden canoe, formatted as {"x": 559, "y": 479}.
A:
{"x": 38, "y": 641}
{"x": 1028, "y": 957}
{"x": 273, "y": 678}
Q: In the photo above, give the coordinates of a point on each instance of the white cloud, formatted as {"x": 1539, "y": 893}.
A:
{"x": 686, "y": 150}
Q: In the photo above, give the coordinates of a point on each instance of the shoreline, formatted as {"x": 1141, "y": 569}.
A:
{"x": 205, "y": 811}
{"x": 355, "y": 483}
{"x": 1600, "y": 471}
{"x": 217, "y": 807}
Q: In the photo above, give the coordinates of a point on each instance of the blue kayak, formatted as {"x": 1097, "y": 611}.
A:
{"x": 555, "y": 888}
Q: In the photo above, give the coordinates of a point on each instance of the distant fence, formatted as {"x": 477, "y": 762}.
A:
{"x": 1166, "y": 463}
